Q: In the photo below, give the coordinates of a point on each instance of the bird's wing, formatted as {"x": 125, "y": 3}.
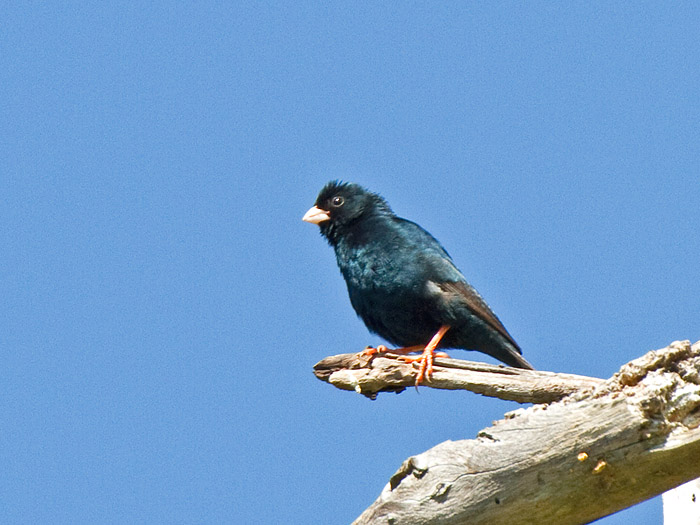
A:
{"x": 466, "y": 294}
{"x": 438, "y": 269}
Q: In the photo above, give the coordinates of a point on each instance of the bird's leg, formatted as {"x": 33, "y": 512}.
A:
{"x": 410, "y": 349}
{"x": 404, "y": 350}
{"x": 370, "y": 351}
{"x": 426, "y": 358}
{"x": 381, "y": 349}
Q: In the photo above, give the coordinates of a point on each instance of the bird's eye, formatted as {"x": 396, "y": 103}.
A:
{"x": 337, "y": 201}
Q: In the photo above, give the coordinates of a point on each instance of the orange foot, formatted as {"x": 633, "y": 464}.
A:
{"x": 381, "y": 349}
{"x": 428, "y": 355}
{"x": 369, "y": 351}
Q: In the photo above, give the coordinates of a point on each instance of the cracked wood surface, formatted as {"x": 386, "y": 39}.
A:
{"x": 591, "y": 454}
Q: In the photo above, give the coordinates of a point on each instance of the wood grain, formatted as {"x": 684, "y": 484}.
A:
{"x": 601, "y": 447}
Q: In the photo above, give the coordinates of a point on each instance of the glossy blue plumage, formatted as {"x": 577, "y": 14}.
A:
{"x": 401, "y": 281}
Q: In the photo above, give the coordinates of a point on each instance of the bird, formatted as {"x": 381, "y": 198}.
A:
{"x": 403, "y": 284}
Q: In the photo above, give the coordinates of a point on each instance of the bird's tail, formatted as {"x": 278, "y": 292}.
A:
{"x": 511, "y": 356}
{"x": 518, "y": 361}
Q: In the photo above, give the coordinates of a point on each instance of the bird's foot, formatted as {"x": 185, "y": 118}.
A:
{"x": 426, "y": 359}
{"x": 370, "y": 351}
{"x": 406, "y": 349}
{"x": 381, "y": 349}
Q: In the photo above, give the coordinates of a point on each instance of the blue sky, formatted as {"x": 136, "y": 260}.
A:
{"x": 163, "y": 303}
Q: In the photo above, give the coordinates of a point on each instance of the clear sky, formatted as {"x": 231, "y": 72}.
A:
{"x": 164, "y": 304}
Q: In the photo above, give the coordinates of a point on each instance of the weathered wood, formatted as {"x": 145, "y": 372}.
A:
{"x": 591, "y": 454}
{"x": 389, "y": 373}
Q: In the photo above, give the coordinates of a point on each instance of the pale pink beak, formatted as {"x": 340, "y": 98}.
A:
{"x": 316, "y": 215}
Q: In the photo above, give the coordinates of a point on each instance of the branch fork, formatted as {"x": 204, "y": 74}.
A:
{"x": 587, "y": 448}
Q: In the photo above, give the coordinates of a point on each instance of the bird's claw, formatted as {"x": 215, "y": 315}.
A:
{"x": 425, "y": 360}
{"x": 427, "y": 357}
{"x": 371, "y": 351}
{"x": 425, "y": 365}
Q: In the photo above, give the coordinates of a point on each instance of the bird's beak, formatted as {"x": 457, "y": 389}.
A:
{"x": 316, "y": 215}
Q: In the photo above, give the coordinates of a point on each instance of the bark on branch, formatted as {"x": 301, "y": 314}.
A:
{"x": 389, "y": 373}
{"x": 597, "y": 451}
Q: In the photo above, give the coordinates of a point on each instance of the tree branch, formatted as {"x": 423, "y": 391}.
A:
{"x": 593, "y": 453}
{"x": 389, "y": 373}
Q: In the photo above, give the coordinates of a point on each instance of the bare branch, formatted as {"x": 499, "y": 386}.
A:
{"x": 389, "y": 373}
{"x": 593, "y": 453}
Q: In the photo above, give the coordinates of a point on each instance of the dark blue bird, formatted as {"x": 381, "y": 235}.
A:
{"x": 402, "y": 283}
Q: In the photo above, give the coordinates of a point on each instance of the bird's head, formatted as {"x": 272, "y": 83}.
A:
{"x": 341, "y": 204}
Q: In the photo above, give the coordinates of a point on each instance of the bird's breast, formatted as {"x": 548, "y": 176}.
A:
{"x": 374, "y": 270}
{"x": 388, "y": 296}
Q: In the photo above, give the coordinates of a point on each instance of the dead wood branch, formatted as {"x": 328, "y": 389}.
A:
{"x": 593, "y": 453}
{"x": 389, "y": 373}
